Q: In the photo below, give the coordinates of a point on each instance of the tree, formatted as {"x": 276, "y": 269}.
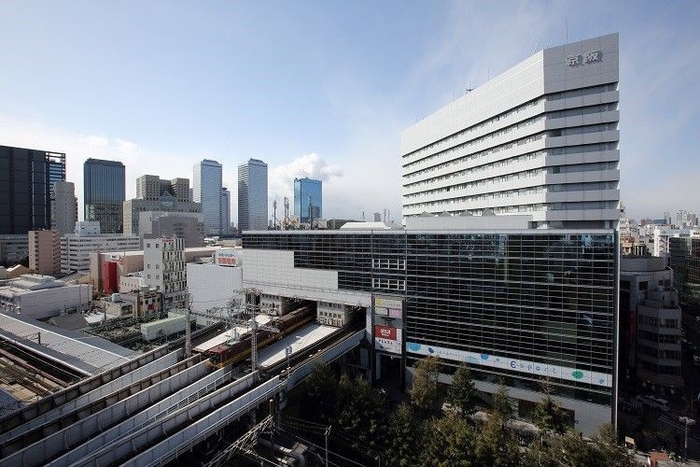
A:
{"x": 496, "y": 445}
{"x": 404, "y": 437}
{"x": 550, "y": 417}
{"x": 500, "y": 405}
{"x": 613, "y": 453}
{"x": 360, "y": 412}
{"x": 450, "y": 442}
{"x": 576, "y": 452}
{"x": 321, "y": 388}
{"x": 425, "y": 391}
{"x": 463, "y": 392}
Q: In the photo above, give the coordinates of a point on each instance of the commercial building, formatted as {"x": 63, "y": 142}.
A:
{"x": 206, "y": 190}
{"x": 154, "y": 194}
{"x": 308, "y": 199}
{"x": 104, "y": 193}
{"x": 650, "y": 325}
{"x": 187, "y": 225}
{"x": 26, "y": 177}
{"x": 541, "y": 139}
{"x": 517, "y": 305}
{"x": 40, "y": 297}
{"x": 137, "y": 304}
{"x": 64, "y": 207}
{"x": 45, "y": 252}
{"x": 77, "y": 247}
{"x": 252, "y": 195}
{"x": 213, "y": 285}
{"x": 164, "y": 270}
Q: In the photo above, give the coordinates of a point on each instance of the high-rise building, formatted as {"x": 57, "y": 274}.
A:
{"x": 64, "y": 207}
{"x": 206, "y": 190}
{"x": 26, "y": 177}
{"x": 104, "y": 193}
{"x": 252, "y": 195}
{"x": 225, "y": 211}
{"x": 540, "y": 139}
{"x": 165, "y": 271}
{"x": 45, "y": 252}
{"x": 154, "y": 194}
{"x": 684, "y": 259}
{"x": 308, "y": 199}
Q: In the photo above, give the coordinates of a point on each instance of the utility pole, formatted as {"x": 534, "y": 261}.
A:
{"x": 328, "y": 432}
{"x": 687, "y": 421}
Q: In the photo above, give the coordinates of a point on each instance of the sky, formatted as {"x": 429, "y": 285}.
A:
{"x": 325, "y": 88}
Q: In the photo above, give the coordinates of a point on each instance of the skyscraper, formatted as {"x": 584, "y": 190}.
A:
{"x": 26, "y": 176}
{"x": 225, "y": 211}
{"x": 540, "y": 139}
{"x": 252, "y": 195}
{"x": 308, "y": 199}
{"x": 206, "y": 189}
{"x": 104, "y": 194}
{"x": 64, "y": 207}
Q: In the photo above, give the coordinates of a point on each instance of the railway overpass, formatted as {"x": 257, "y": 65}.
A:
{"x": 151, "y": 410}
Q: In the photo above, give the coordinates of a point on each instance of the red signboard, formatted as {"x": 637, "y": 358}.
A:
{"x": 385, "y": 332}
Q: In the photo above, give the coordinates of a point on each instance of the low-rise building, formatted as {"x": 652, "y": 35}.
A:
{"x": 77, "y": 247}
{"x": 14, "y": 248}
{"x": 40, "y": 297}
{"x": 213, "y": 285}
{"x": 136, "y": 304}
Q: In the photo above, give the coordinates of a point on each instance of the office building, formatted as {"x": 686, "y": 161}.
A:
{"x": 650, "y": 325}
{"x": 64, "y": 207}
{"x": 77, "y": 247}
{"x": 104, "y": 193}
{"x": 164, "y": 270}
{"x": 252, "y": 195}
{"x": 26, "y": 177}
{"x": 308, "y": 199}
{"x": 154, "y": 194}
{"x": 45, "y": 252}
{"x": 684, "y": 259}
{"x": 540, "y": 139}
{"x": 186, "y": 225}
{"x": 206, "y": 190}
{"x": 13, "y": 249}
{"x": 225, "y": 211}
{"x": 520, "y": 305}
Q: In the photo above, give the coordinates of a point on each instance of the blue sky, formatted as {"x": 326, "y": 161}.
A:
{"x": 324, "y": 88}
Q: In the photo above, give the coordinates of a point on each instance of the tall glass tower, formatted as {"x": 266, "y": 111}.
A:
{"x": 308, "y": 199}
{"x": 104, "y": 194}
{"x": 252, "y": 195}
{"x": 206, "y": 189}
{"x": 26, "y": 176}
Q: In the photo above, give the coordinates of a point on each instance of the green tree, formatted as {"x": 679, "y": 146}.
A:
{"x": 550, "y": 417}
{"x": 360, "y": 412}
{"x": 425, "y": 390}
{"x": 500, "y": 404}
{"x": 611, "y": 450}
{"x": 463, "y": 392}
{"x": 449, "y": 441}
{"x": 321, "y": 388}
{"x": 577, "y": 452}
{"x": 496, "y": 445}
{"x": 404, "y": 437}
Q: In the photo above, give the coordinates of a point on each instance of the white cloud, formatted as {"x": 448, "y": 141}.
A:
{"x": 126, "y": 146}
{"x": 281, "y": 178}
{"x": 94, "y": 141}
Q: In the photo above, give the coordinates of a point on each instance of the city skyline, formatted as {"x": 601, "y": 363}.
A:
{"x": 337, "y": 110}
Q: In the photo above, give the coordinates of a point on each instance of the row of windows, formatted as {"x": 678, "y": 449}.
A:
{"x": 660, "y": 338}
{"x": 660, "y": 353}
{"x": 474, "y": 128}
{"x": 580, "y": 111}
{"x": 582, "y": 92}
{"x": 658, "y": 322}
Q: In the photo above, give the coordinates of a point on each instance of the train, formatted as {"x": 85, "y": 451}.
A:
{"x": 227, "y": 354}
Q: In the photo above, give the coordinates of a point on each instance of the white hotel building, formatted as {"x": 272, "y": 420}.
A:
{"x": 540, "y": 139}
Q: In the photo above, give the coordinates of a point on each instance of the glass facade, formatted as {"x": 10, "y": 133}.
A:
{"x": 252, "y": 196}
{"x": 26, "y": 176}
{"x": 308, "y": 199}
{"x": 104, "y": 194}
{"x": 684, "y": 256}
{"x": 206, "y": 189}
{"x": 519, "y": 306}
